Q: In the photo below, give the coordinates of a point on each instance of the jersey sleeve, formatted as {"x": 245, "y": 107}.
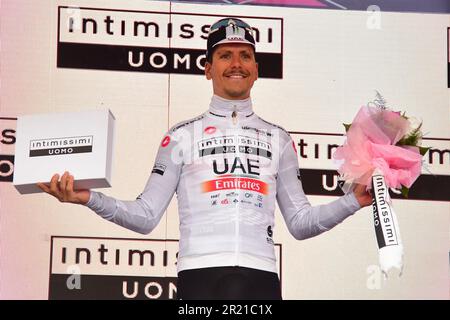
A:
{"x": 143, "y": 214}
{"x": 303, "y": 220}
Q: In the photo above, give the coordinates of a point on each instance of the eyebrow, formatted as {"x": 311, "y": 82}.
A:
{"x": 222, "y": 51}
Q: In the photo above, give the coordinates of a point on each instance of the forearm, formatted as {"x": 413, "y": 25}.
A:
{"x": 143, "y": 214}
{"x": 303, "y": 220}
{"x": 135, "y": 215}
{"x": 310, "y": 221}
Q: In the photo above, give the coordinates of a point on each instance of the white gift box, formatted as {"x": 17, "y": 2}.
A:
{"x": 78, "y": 142}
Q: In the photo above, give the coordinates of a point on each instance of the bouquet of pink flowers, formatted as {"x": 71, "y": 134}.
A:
{"x": 382, "y": 150}
{"x": 379, "y": 138}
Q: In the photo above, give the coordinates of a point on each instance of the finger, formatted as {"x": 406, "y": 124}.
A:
{"x": 63, "y": 182}
{"x": 362, "y": 189}
{"x": 69, "y": 186}
{"x": 43, "y": 187}
{"x": 54, "y": 185}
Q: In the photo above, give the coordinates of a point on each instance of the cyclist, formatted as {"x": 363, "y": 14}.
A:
{"x": 228, "y": 167}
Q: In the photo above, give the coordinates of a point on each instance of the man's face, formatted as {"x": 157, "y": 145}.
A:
{"x": 233, "y": 70}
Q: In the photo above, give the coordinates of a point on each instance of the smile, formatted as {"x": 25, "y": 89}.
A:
{"x": 236, "y": 76}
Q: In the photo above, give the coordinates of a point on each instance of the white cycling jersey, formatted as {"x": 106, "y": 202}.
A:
{"x": 227, "y": 166}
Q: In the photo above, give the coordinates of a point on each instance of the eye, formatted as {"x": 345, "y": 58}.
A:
{"x": 246, "y": 56}
{"x": 224, "y": 56}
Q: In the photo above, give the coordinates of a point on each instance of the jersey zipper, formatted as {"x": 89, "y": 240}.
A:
{"x": 237, "y": 248}
{"x": 234, "y": 117}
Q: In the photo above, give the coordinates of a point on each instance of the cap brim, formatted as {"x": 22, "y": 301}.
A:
{"x": 243, "y": 41}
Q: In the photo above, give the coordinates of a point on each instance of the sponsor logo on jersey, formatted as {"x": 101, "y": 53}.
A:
{"x": 165, "y": 142}
{"x": 234, "y": 144}
{"x": 269, "y": 231}
{"x": 159, "y": 168}
{"x": 232, "y": 194}
{"x": 269, "y": 235}
{"x": 258, "y": 131}
{"x": 232, "y": 182}
{"x": 186, "y": 123}
{"x": 250, "y": 166}
{"x": 210, "y": 130}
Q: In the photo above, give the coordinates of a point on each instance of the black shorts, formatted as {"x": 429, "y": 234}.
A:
{"x": 228, "y": 283}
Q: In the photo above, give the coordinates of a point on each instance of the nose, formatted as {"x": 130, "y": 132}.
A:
{"x": 236, "y": 61}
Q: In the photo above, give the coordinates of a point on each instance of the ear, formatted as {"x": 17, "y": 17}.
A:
{"x": 208, "y": 70}
{"x": 256, "y": 71}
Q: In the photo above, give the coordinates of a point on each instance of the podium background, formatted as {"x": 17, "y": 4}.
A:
{"x": 332, "y": 63}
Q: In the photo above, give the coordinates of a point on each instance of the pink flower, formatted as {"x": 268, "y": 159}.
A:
{"x": 371, "y": 145}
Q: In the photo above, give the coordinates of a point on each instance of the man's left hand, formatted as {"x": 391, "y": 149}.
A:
{"x": 362, "y": 195}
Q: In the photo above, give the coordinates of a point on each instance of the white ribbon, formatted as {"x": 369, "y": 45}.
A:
{"x": 387, "y": 229}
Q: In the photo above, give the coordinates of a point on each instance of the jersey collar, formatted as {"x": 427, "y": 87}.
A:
{"x": 224, "y": 108}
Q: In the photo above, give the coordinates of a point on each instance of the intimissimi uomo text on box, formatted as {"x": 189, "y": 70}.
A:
{"x": 78, "y": 142}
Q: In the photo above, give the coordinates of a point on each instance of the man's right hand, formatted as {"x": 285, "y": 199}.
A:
{"x": 63, "y": 189}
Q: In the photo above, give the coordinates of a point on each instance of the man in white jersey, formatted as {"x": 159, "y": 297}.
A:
{"x": 228, "y": 167}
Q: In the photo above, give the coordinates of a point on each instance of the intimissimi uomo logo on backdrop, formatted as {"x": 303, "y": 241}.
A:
{"x": 60, "y": 146}
{"x": 146, "y": 41}
{"x": 111, "y": 268}
{"x": 7, "y": 143}
{"x": 319, "y": 176}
